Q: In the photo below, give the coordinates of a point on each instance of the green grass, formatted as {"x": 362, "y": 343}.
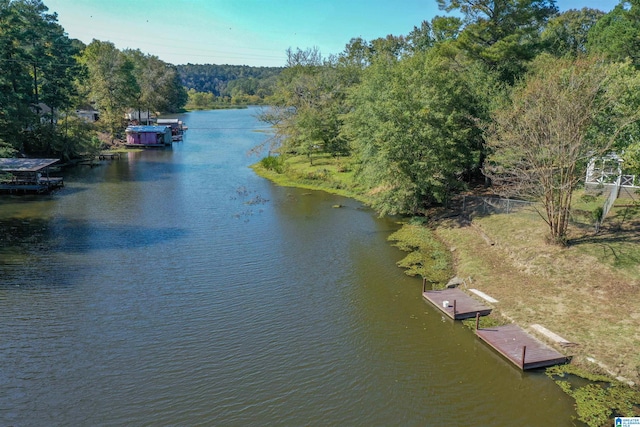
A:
{"x": 327, "y": 173}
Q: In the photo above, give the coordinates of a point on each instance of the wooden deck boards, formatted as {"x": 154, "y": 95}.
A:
{"x": 465, "y": 306}
{"x": 509, "y": 341}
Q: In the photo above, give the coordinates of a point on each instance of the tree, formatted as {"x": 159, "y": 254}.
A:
{"x": 540, "y": 141}
{"x": 15, "y": 82}
{"x": 414, "y": 128}
{"x": 38, "y": 71}
{"x": 308, "y": 103}
{"x": 504, "y": 34}
{"x": 440, "y": 29}
{"x": 617, "y": 34}
{"x": 111, "y": 82}
{"x": 160, "y": 88}
{"x": 567, "y": 33}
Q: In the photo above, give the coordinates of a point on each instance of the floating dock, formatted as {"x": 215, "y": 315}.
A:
{"x": 520, "y": 348}
{"x": 456, "y": 304}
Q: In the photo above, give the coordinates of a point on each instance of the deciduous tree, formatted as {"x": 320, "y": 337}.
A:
{"x": 111, "y": 81}
{"x": 414, "y": 127}
{"x": 543, "y": 138}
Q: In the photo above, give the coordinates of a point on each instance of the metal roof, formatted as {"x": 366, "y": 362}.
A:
{"x": 25, "y": 165}
{"x": 146, "y": 129}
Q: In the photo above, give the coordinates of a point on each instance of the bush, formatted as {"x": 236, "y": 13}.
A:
{"x": 273, "y": 163}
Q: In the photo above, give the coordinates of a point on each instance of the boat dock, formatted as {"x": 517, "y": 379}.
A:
{"x": 23, "y": 175}
{"x": 456, "y": 304}
{"x": 520, "y": 348}
{"x": 511, "y": 341}
{"x": 112, "y": 155}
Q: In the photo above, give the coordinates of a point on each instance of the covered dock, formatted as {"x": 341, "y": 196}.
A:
{"x": 176, "y": 125}
{"x": 19, "y": 175}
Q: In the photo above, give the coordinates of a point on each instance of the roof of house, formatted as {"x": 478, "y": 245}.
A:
{"x": 25, "y": 165}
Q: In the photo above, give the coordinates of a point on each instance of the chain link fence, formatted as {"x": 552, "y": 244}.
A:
{"x": 477, "y": 205}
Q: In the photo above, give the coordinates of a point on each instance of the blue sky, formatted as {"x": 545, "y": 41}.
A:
{"x": 247, "y": 32}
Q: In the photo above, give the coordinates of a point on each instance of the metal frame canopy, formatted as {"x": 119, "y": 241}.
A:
{"x": 25, "y": 165}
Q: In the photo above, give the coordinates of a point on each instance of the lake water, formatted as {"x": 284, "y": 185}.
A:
{"x": 176, "y": 287}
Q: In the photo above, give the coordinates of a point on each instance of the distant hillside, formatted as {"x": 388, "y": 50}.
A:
{"x": 221, "y": 80}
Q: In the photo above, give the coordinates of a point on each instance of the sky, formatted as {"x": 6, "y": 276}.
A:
{"x": 247, "y": 32}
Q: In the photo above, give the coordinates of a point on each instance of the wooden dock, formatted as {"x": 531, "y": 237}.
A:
{"x": 456, "y": 304}
{"x": 109, "y": 156}
{"x": 520, "y": 348}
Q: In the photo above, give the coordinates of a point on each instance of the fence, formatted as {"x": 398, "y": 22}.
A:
{"x": 629, "y": 181}
{"x": 493, "y": 205}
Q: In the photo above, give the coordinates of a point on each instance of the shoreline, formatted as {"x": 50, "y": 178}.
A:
{"x": 528, "y": 291}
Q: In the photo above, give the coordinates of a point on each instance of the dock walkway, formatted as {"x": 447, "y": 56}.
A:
{"x": 109, "y": 156}
{"x": 520, "y": 348}
{"x": 456, "y": 304}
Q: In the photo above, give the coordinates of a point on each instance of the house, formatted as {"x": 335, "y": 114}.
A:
{"x": 138, "y": 116}
{"x": 89, "y": 115}
{"x": 28, "y": 175}
{"x": 148, "y": 136}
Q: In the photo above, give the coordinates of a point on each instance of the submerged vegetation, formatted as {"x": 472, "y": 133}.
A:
{"x": 598, "y": 400}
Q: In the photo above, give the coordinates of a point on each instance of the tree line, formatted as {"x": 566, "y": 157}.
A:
{"x": 210, "y": 85}
{"x": 515, "y": 93}
{"x": 46, "y": 77}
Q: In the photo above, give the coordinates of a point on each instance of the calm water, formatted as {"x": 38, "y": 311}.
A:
{"x": 176, "y": 287}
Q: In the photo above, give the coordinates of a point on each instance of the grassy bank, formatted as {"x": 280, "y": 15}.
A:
{"x": 588, "y": 292}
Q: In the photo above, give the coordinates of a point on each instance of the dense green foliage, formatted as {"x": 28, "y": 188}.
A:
{"x": 419, "y": 115}
{"x": 617, "y": 34}
{"x": 211, "y": 85}
{"x": 45, "y": 77}
{"x": 37, "y": 75}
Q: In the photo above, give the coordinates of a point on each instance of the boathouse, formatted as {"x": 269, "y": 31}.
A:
{"x": 148, "y": 136}
{"x": 28, "y": 176}
{"x": 176, "y": 127}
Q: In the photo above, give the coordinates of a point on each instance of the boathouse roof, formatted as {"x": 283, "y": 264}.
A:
{"x": 147, "y": 129}
{"x": 25, "y": 165}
